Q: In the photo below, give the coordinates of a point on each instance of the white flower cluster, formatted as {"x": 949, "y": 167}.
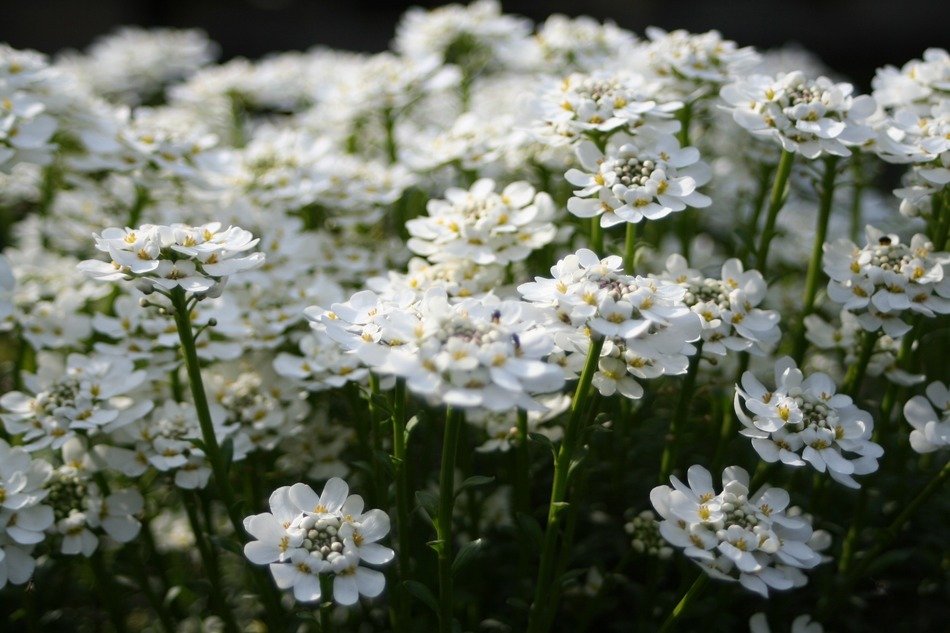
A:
{"x": 134, "y": 65}
{"x": 731, "y": 320}
{"x": 306, "y": 535}
{"x": 638, "y": 179}
{"x": 195, "y": 259}
{"x": 646, "y": 325}
{"x": 475, "y": 353}
{"x": 81, "y": 509}
{"x": 811, "y": 117}
{"x": 23, "y": 516}
{"x": 695, "y": 65}
{"x": 92, "y": 395}
{"x": 803, "y": 420}
{"x": 482, "y": 226}
{"x": 930, "y": 417}
{"x": 599, "y": 104}
{"x": 735, "y": 535}
{"x": 26, "y": 129}
{"x": 886, "y": 280}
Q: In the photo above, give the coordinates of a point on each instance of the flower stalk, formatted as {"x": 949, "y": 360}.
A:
{"x": 453, "y": 425}
{"x": 542, "y": 605}
{"x": 777, "y": 197}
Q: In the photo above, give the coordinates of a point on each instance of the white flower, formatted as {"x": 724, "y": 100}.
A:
{"x": 483, "y": 226}
{"x": 91, "y": 395}
{"x": 23, "y": 516}
{"x": 195, "y": 259}
{"x": 733, "y": 535}
{"x": 641, "y": 179}
{"x": 803, "y": 420}
{"x": 580, "y": 43}
{"x": 885, "y": 280}
{"x": 731, "y": 321}
{"x": 647, "y": 326}
{"x": 802, "y": 624}
{"x": 930, "y": 417}
{"x": 919, "y": 83}
{"x": 808, "y": 117}
{"x": 306, "y": 535}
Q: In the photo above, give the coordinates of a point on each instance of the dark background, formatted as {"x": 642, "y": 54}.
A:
{"x": 852, "y": 36}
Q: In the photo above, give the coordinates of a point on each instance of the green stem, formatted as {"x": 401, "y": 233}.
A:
{"x": 814, "y": 263}
{"x": 855, "y": 375}
{"x": 326, "y": 603}
{"x": 389, "y": 122}
{"x": 762, "y": 191}
{"x": 212, "y": 450}
{"x": 670, "y": 623}
{"x": 543, "y": 604}
{"x": 453, "y": 425}
{"x": 211, "y": 447}
{"x": 107, "y": 591}
{"x": 400, "y": 472}
{"x": 630, "y": 248}
{"x": 522, "y": 466}
{"x": 857, "y": 175}
{"x": 680, "y": 415}
{"x": 777, "y": 198}
{"x": 596, "y": 236}
{"x": 210, "y": 562}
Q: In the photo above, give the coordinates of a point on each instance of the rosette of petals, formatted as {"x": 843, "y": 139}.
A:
{"x": 580, "y": 43}
{"x": 460, "y": 278}
{"x": 734, "y": 535}
{"x": 693, "y": 65}
{"x": 810, "y": 117}
{"x": 306, "y": 535}
{"x": 648, "y": 328}
{"x": 886, "y": 279}
{"x": 930, "y": 417}
{"x": 23, "y": 514}
{"x": 93, "y": 394}
{"x": 920, "y": 83}
{"x": 196, "y": 259}
{"x": 731, "y": 321}
{"x": 803, "y": 420}
{"x": 602, "y": 103}
{"x": 484, "y": 226}
{"x": 642, "y": 179}
{"x": 476, "y": 37}
{"x": 26, "y": 130}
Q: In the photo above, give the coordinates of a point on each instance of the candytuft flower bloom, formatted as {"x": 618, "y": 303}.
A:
{"x": 306, "y": 535}
{"x": 930, "y": 417}
{"x": 733, "y": 535}
{"x": 195, "y": 259}
{"x": 803, "y": 420}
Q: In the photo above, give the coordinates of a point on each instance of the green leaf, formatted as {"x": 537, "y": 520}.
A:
{"x": 467, "y": 554}
{"x": 474, "y": 481}
{"x": 428, "y": 501}
{"x": 411, "y": 425}
{"x": 437, "y": 545}
{"x": 543, "y": 440}
{"x": 423, "y": 593}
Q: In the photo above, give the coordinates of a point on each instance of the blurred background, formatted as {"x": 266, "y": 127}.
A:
{"x": 852, "y": 36}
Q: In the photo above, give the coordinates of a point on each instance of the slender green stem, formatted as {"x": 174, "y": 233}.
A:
{"x": 401, "y": 474}
{"x": 694, "y": 590}
{"x": 857, "y": 193}
{"x": 762, "y": 192}
{"x": 453, "y": 425}
{"x": 326, "y": 603}
{"x": 856, "y": 372}
{"x": 211, "y": 447}
{"x": 543, "y": 604}
{"x": 814, "y": 263}
{"x": 777, "y": 198}
{"x": 219, "y": 467}
{"x": 596, "y": 236}
{"x": 107, "y": 591}
{"x": 680, "y": 415}
{"x": 210, "y": 562}
{"x": 389, "y": 122}
{"x": 630, "y": 248}
{"x": 154, "y": 600}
